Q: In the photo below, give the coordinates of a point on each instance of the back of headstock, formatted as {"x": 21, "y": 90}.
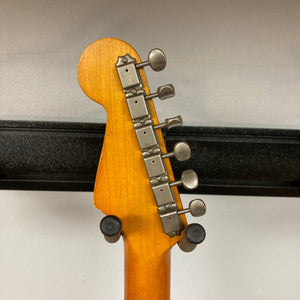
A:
{"x": 134, "y": 181}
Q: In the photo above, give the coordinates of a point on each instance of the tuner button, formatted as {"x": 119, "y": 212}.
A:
{"x": 170, "y": 123}
{"x": 189, "y": 180}
{"x": 166, "y": 91}
{"x": 181, "y": 151}
{"x": 111, "y": 227}
{"x": 163, "y": 92}
{"x": 193, "y": 235}
{"x": 156, "y": 59}
{"x": 197, "y": 208}
{"x": 173, "y": 122}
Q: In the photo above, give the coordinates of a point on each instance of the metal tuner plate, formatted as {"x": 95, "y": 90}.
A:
{"x": 155, "y": 166}
{"x": 128, "y": 74}
{"x": 138, "y": 106}
{"x": 171, "y": 223}
{"x": 163, "y": 193}
{"x": 146, "y": 137}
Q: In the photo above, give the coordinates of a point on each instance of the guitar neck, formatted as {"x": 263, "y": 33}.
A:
{"x": 135, "y": 186}
{"x": 146, "y": 276}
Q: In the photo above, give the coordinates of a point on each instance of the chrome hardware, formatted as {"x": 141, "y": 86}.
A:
{"x": 163, "y": 193}
{"x": 155, "y": 166}
{"x": 159, "y": 180}
{"x": 145, "y": 131}
{"x": 146, "y": 137}
{"x": 141, "y": 123}
{"x": 138, "y": 107}
{"x": 171, "y": 223}
{"x": 129, "y": 77}
{"x": 167, "y": 208}
{"x": 189, "y": 180}
{"x": 151, "y": 151}
{"x": 193, "y": 235}
{"x": 170, "y": 123}
{"x": 196, "y": 208}
{"x": 128, "y": 71}
{"x": 163, "y": 92}
{"x": 156, "y": 59}
{"x": 181, "y": 151}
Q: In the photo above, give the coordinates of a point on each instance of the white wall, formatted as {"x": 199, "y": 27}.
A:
{"x": 51, "y": 248}
{"x": 233, "y": 63}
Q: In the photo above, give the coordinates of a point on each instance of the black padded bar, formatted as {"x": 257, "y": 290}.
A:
{"x": 233, "y": 161}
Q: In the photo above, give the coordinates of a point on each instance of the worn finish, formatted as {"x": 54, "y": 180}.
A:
{"x": 122, "y": 186}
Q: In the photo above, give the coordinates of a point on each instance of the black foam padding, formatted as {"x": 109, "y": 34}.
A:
{"x": 110, "y": 225}
{"x": 195, "y": 233}
{"x": 60, "y": 156}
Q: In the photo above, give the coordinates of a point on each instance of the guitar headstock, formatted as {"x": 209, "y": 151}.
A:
{"x": 134, "y": 180}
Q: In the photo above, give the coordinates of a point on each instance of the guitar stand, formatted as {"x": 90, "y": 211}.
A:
{"x": 62, "y": 156}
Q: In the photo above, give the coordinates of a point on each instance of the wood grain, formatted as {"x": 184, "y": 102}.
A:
{"x": 122, "y": 186}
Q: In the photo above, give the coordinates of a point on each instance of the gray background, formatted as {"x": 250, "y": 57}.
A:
{"x": 233, "y": 63}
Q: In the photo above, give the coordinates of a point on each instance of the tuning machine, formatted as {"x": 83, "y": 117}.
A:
{"x": 163, "y": 92}
{"x": 181, "y": 151}
{"x": 189, "y": 180}
{"x": 197, "y": 208}
{"x": 169, "y": 123}
{"x": 156, "y": 60}
{"x": 193, "y": 234}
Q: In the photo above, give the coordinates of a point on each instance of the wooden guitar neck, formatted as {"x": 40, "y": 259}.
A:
{"x": 133, "y": 174}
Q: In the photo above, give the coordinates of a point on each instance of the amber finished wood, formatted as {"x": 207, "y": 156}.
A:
{"x": 122, "y": 186}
